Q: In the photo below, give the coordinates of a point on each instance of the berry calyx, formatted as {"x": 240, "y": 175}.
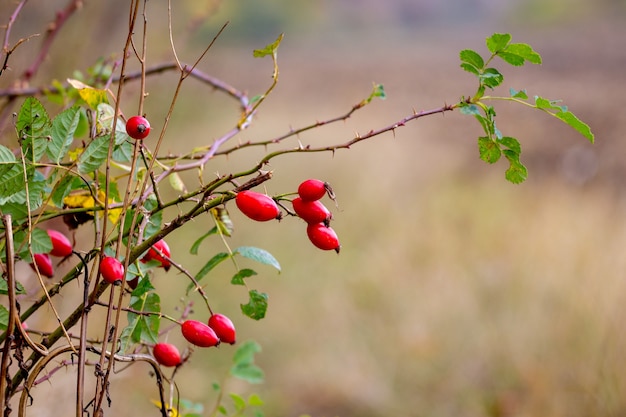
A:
{"x": 323, "y": 237}
{"x": 313, "y": 190}
{"x": 44, "y": 264}
{"x": 223, "y": 327}
{"x": 311, "y": 211}
{"x": 112, "y": 270}
{"x": 61, "y": 245}
{"x": 257, "y": 206}
{"x": 138, "y": 127}
{"x": 199, "y": 334}
{"x": 160, "y": 252}
{"x": 166, "y": 354}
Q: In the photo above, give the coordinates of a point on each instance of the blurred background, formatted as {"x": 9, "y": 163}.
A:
{"x": 456, "y": 293}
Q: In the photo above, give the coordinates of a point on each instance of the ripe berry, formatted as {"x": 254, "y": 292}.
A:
{"x": 311, "y": 211}
{"x": 323, "y": 237}
{"x": 112, "y": 270}
{"x": 44, "y": 264}
{"x": 137, "y": 127}
{"x": 162, "y": 257}
{"x": 199, "y": 334}
{"x": 61, "y": 245}
{"x": 166, "y": 354}
{"x": 223, "y": 327}
{"x": 257, "y": 206}
{"x": 312, "y": 190}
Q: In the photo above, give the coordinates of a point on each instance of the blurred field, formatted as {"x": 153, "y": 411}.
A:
{"x": 455, "y": 293}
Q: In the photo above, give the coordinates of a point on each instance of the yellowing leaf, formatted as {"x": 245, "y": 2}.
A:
{"x": 172, "y": 412}
{"x": 84, "y": 199}
{"x": 92, "y": 96}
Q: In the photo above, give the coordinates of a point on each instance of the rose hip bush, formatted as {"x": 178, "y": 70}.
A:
{"x": 96, "y": 163}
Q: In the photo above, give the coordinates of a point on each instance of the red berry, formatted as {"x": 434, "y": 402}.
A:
{"x": 311, "y": 211}
{"x": 138, "y": 127}
{"x": 323, "y": 237}
{"x": 162, "y": 257}
{"x": 257, "y": 206}
{"x": 199, "y": 334}
{"x": 312, "y": 190}
{"x": 61, "y": 245}
{"x": 112, "y": 270}
{"x": 166, "y": 354}
{"x": 44, "y": 264}
{"x": 223, "y": 327}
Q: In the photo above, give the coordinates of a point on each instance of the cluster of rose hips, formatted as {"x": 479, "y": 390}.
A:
{"x": 61, "y": 247}
{"x": 220, "y": 329}
{"x": 307, "y": 206}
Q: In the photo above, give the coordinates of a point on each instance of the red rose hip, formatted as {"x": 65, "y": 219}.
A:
{"x": 257, "y": 206}
{"x": 199, "y": 334}
{"x": 61, "y": 245}
{"x": 44, "y": 264}
{"x": 223, "y": 327}
{"x": 312, "y": 189}
{"x": 311, "y": 211}
{"x": 138, "y": 127}
{"x": 166, "y": 354}
{"x": 112, "y": 270}
{"x": 160, "y": 252}
{"x": 323, "y": 237}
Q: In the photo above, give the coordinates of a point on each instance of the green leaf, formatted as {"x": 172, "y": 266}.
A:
{"x": 472, "y": 58}
{"x": 4, "y": 287}
{"x": 198, "y": 242}
{"x": 378, "y": 91}
{"x": 142, "y": 327}
{"x": 470, "y": 68}
{"x": 123, "y": 152}
{"x": 63, "y": 187}
{"x": 523, "y": 51}
{"x": 257, "y": 305}
{"x": 518, "y": 94}
{"x": 470, "y": 109}
{"x": 491, "y": 77}
{"x": 238, "y": 278}
{"x": 243, "y": 363}
{"x": 18, "y": 211}
{"x": 511, "y": 143}
{"x": 212, "y": 263}
{"x": 580, "y": 126}
{"x": 268, "y": 49}
{"x": 545, "y": 104}
{"x": 255, "y": 401}
{"x": 497, "y": 42}
{"x": 258, "y": 255}
{"x": 12, "y": 182}
{"x": 489, "y": 149}
{"x": 33, "y": 126}
{"x": 517, "y": 172}
{"x": 512, "y": 59}
{"x": 63, "y": 128}
{"x": 4, "y": 318}
{"x": 238, "y": 401}
{"x": 7, "y": 160}
{"x": 39, "y": 239}
{"x": 94, "y": 155}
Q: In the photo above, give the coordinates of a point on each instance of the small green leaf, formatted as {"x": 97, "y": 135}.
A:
{"x": 243, "y": 363}
{"x": 238, "y": 278}
{"x": 518, "y": 94}
{"x": 489, "y": 149}
{"x": 63, "y": 127}
{"x": 258, "y": 255}
{"x": 470, "y": 109}
{"x": 142, "y": 327}
{"x": 580, "y": 126}
{"x": 472, "y": 58}
{"x": 198, "y": 242}
{"x": 238, "y": 401}
{"x": 524, "y": 51}
{"x": 94, "y": 155}
{"x": 257, "y": 305}
{"x": 4, "y": 318}
{"x": 497, "y": 42}
{"x": 517, "y": 172}
{"x": 268, "y": 49}
{"x": 4, "y": 287}
{"x": 511, "y": 143}
{"x": 255, "y": 401}
{"x": 491, "y": 77}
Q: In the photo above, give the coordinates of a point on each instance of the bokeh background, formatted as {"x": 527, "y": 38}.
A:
{"x": 455, "y": 293}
